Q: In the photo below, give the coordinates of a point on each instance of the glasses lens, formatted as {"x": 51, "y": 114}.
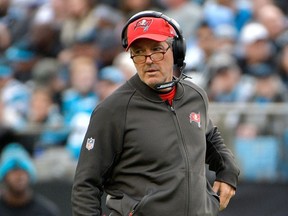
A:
{"x": 158, "y": 56}
{"x": 139, "y": 59}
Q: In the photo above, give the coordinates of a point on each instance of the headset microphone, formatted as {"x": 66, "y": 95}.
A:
{"x": 172, "y": 83}
{"x": 166, "y": 85}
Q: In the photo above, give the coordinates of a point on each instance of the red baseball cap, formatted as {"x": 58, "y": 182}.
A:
{"x": 152, "y": 28}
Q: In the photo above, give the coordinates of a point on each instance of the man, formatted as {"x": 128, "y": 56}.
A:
{"x": 147, "y": 143}
{"x": 17, "y": 172}
{"x": 14, "y": 96}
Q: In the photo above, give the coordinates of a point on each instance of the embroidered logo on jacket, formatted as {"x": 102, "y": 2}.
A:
{"x": 194, "y": 117}
{"x": 90, "y": 143}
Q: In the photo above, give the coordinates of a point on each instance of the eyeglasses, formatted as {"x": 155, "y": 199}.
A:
{"x": 155, "y": 57}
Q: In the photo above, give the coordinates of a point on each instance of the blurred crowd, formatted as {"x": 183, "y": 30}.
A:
{"x": 60, "y": 58}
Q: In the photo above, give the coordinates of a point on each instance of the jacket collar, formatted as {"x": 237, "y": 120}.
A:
{"x": 150, "y": 93}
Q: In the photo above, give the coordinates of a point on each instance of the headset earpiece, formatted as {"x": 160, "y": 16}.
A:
{"x": 178, "y": 46}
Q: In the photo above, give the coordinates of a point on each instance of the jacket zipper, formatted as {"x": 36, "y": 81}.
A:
{"x": 170, "y": 106}
{"x": 184, "y": 149}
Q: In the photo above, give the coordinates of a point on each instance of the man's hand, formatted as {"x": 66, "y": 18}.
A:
{"x": 225, "y": 191}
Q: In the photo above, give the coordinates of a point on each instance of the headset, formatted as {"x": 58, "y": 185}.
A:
{"x": 178, "y": 46}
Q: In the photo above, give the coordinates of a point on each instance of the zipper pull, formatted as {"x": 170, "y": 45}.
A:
{"x": 131, "y": 213}
{"x": 170, "y": 105}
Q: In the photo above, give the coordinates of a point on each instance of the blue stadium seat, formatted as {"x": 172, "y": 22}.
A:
{"x": 258, "y": 158}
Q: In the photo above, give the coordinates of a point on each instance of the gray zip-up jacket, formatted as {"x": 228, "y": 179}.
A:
{"x": 150, "y": 157}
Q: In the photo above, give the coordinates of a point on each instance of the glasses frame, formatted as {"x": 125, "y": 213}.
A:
{"x": 150, "y": 56}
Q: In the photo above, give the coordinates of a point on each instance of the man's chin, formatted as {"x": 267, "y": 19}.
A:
{"x": 151, "y": 82}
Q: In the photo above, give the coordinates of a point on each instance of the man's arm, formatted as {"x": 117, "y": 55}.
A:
{"x": 99, "y": 151}
{"x": 221, "y": 160}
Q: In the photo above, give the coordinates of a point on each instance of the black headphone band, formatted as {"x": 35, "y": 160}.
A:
{"x": 179, "y": 46}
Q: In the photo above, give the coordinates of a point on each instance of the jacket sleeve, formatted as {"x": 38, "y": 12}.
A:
{"x": 219, "y": 158}
{"x": 105, "y": 140}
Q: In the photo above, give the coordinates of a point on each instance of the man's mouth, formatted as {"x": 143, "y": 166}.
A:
{"x": 151, "y": 70}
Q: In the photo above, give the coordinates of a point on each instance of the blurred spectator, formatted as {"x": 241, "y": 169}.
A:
{"x": 204, "y": 47}
{"x": 107, "y": 33}
{"x": 14, "y": 97}
{"x": 17, "y": 172}
{"x": 226, "y": 82}
{"x": 52, "y": 11}
{"x": 110, "y": 78}
{"x": 125, "y": 64}
{"x": 80, "y": 21}
{"x": 79, "y": 124}
{"x": 131, "y": 7}
{"x": 226, "y": 37}
{"x": 15, "y": 19}
{"x": 5, "y": 38}
{"x": 47, "y": 72}
{"x": 267, "y": 89}
{"x": 98, "y": 37}
{"x": 44, "y": 120}
{"x": 254, "y": 48}
{"x": 85, "y": 47}
{"x": 22, "y": 59}
{"x": 234, "y": 13}
{"x": 187, "y": 13}
{"x": 7, "y": 134}
{"x": 273, "y": 19}
{"x": 282, "y": 65}
{"x": 275, "y": 22}
{"x": 45, "y": 28}
{"x": 80, "y": 96}
{"x": 218, "y": 13}
{"x": 43, "y": 37}
{"x": 78, "y": 31}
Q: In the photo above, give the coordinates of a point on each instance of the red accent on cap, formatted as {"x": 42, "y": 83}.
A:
{"x": 152, "y": 28}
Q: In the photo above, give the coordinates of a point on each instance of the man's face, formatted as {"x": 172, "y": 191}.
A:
{"x": 151, "y": 72}
{"x": 258, "y": 51}
{"x": 17, "y": 181}
{"x": 83, "y": 76}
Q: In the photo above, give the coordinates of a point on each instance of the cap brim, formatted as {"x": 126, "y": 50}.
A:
{"x": 155, "y": 37}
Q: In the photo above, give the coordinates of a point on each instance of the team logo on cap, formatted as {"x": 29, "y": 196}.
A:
{"x": 90, "y": 143}
{"x": 195, "y": 117}
{"x": 144, "y": 23}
